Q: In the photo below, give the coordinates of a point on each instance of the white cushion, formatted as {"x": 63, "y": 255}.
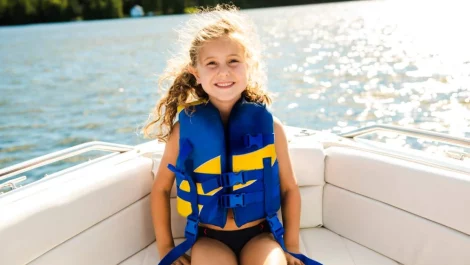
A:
{"x": 329, "y": 248}
{"x": 33, "y": 225}
{"x": 148, "y": 255}
{"x": 319, "y": 244}
{"x": 108, "y": 242}
{"x": 308, "y": 162}
{"x": 437, "y": 194}
{"x": 311, "y": 198}
{"x": 404, "y": 237}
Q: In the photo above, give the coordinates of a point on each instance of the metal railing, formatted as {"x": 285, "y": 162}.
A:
{"x": 61, "y": 155}
{"x": 435, "y": 136}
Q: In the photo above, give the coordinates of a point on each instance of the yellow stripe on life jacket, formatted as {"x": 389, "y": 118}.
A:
{"x": 194, "y": 103}
{"x": 251, "y": 161}
{"x": 184, "y": 207}
{"x": 248, "y": 161}
{"x": 210, "y": 167}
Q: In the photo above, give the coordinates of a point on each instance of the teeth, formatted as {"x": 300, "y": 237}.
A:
{"x": 224, "y": 84}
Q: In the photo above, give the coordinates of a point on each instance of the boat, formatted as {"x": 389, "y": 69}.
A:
{"x": 137, "y": 11}
{"x": 364, "y": 202}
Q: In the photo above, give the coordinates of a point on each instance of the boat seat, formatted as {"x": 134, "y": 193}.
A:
{"x": 358, "y": 207}
{"x": 319, "y": 243}
{"x": 410, "y": 211}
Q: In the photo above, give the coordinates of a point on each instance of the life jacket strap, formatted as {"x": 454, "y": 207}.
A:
{"x": 190, "y": 233}
{"x": 234, "y": 200}
{"x": 278, "y": 232}
{"x": 230, "y": 179}
{"x": 231, "y": 200}
{"x": 185, "y": 150}
{"x": 192, "y": 221}
{"x": 191, "y": 228}
{"x": 179, "y": 175}
{"x": 271, "y": 216}
{"x": 276, "y": 226}
{"x": 258, "y": 140}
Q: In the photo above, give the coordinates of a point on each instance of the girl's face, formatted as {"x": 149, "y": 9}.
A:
{"x": 222, "y": 69}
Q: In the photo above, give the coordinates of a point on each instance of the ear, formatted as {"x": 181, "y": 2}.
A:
{"x": 194, "y": 72}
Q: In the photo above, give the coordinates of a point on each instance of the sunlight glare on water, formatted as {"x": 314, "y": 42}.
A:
{"x": 333, "y": 67}
{"x": 396, "y": 62}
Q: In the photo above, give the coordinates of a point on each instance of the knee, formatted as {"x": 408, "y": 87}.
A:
{"x": 209, "y": 251}
{"x": 262, "y": 250}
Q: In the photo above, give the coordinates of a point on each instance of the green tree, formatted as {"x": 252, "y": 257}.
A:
{"x": 127, "y": 5}
{"x": 53, "y": 10}
{"x": 3, "y": 11}
{"x": 102, "y": 9}
{"x": 114, "y": 9}
{"x": 177, "y": 6}
{"x": 19, "y": 11}
{"x": 74, "y": 9}
{"x": 165, "y": 4}
{"x": 3, "y": 7}
{"x": 150, "y": 5}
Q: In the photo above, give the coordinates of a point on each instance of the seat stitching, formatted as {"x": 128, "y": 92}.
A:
{"x": 146, "y": 255}
{"x": 302, "y": 242}
{"x": 349, "y": 252}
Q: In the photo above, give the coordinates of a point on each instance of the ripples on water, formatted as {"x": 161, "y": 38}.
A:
{"x": 332, "y": 67}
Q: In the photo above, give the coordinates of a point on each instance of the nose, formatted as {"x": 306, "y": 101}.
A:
{"x": 224, "y": 70}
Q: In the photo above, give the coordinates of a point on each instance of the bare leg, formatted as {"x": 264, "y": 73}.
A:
{"x": 208, "y": 251}
{"x": 262, "y": 250}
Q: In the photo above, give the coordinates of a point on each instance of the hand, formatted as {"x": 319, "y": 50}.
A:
{"x": 183, "y": 260}
{"x": 291, "y": 260}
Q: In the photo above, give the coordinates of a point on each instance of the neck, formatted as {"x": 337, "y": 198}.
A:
{"x": 224, "y": 107}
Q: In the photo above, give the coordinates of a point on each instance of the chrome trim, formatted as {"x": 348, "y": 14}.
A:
{"x": 61, "y": 155}
{"x": 12, "y": 183}
{"x": 460, "y": 141}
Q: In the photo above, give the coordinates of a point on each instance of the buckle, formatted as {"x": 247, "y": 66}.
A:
{"x": 191, "y": 228}
{"x": 179, "y": 174}
{"x": 276, "y": 226}
{"x": 253, "y": 140}
{"x": 231, "y": 179}
{"x": 233, "y": 200}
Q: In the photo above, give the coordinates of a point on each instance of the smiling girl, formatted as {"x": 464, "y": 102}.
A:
{"x": 226, "y": 151}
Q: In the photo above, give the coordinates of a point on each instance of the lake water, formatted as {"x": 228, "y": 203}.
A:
{"x": 331, "y": 67}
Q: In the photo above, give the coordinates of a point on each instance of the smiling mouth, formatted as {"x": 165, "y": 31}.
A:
{"x": 224, "y": 84}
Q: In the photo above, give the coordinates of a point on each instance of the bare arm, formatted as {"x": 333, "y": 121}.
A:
{"x": 290, "y": 194}
{"x": 160, "y": 195}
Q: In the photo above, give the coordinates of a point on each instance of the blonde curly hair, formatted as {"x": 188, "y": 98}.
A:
{"x": 182, "y": 89}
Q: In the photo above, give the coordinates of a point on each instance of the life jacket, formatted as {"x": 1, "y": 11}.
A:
{"x": 226, "y": 167}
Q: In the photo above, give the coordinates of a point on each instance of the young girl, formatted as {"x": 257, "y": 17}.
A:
{"x": 232, "y": 175}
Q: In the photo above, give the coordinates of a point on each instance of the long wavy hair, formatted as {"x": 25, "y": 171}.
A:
{"x": 181, "y": 86}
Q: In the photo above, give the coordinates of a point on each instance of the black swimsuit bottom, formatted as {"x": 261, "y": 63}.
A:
{"x": 235, "y": 239}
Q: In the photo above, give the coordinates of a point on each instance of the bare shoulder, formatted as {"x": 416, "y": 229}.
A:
{"x": 172, "y": 144}
{"x": 164, "y": 177}
{"x": 278, "y": 126}
{"x": 280, "y": 138}
{"x": 175, "y": 133}
{"x": 281, "y": 145}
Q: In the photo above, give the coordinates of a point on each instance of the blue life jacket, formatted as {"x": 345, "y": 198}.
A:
{"x": 227, "y": 168}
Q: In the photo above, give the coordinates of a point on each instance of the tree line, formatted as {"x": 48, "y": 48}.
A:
{"x": 13, "y": 12}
